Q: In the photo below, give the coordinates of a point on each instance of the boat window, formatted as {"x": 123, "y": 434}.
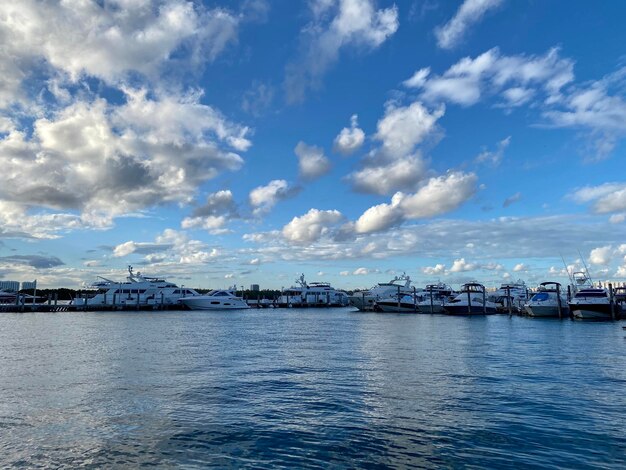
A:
{"x": 215, "y": 302}
{"x": 540, "y": 297}
{"x": 582, "y": 295}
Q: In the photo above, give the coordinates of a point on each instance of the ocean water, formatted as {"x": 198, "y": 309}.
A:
{"x": 294, "y": 388}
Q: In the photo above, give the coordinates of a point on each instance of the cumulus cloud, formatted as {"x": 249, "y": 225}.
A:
{"x": 437, "y": 196}
{"x": 336, "y": 25}
{"x": 312, "y": 162}
{"x": 110, "y": 160}
{"x": 469, "y": 13}
{"x": 116, "y": 38}
{"x": 520, "y": 267}
{"x": 601, "y": 255}
{"x": 264, "y": 198}
{"x": 311, "y": 226}
{"x": 219, "y": 209}
{"x": 460, "y": 266}
{"x": 396, "y": 165}
{"x": 436, "y": 270}
{"x": 349, "y": 140}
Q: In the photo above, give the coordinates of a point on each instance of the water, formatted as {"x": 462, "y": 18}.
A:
{"x": 309, "y": 388}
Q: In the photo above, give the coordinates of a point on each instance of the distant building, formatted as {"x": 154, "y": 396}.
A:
{"x": 29, "y": 285}
{"x": 10, "y": 285}
{"x": 254, "y": 287}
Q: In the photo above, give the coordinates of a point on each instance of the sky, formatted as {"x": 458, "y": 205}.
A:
{"x": 220, "y": 143}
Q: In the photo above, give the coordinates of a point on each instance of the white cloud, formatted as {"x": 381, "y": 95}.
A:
{"x": 337, "y": 25}
{"x": 617, "y": 218}
{"x": 461, "y": 266}
{"x": 520, "y": 267}
{"x": 400, "y": 174}
{"x": 516, "y": 78}
{"x": 380, "y": 217}
{"x": 349, "y": 140}
{"x": 494, "y": 158}
{"x": 469, "y": 13}
{"x": 312, "y": 162}
{"x": 601, "y": 255}
{"x": 116, "y": 38}
{"x": 436, "y": 270}
{"x": 402, "y": 128}
{"x": 606, "y": 198}
{"x": 111, "y": 160}
{"x": 311, "y": 226}
{"x": 215, "y": 214}
{"x": 264, "y": 198}
{"x": 439, "y": 195}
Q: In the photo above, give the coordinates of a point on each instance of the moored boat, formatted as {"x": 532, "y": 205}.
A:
{"x": 215, "y": 300}
{"x": 472, "y": 300}
{"x": 548, "y": 301}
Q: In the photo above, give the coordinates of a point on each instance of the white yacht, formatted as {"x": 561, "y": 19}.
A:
{"x": 513, "y": 294}
{"x": 428, "y": 300}
{"x": 314, "y": 294}
{"x": 547, "y": 300}
{"x": 137, "y": 290}
{"x": 366, "y": 300}
{"x": 472, "y": 300}
{"x": 215, "y": 300}
{"x": 435, "y": 297}
{"x": 591, "y": 303}
{"x": 406, "y": 303}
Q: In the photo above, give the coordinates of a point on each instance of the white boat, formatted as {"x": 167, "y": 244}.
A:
{"x": 366, "y": 300}
{"x": 435, "y": 297}
{"x": 591, "y": 303}
{"x": 472, "y": 300}
{"x": 513, "y": 295}
{"x": 428, "y": 300}
{"x": 215, "y": 300}
{"x": 547, "y": 300}
{"x": 137, "y": 290}
{"x": 314, "y": 294}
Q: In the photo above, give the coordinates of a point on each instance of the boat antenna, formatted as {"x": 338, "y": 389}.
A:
{"x": 585, "y": 265}
{"x": 569, "y": 275}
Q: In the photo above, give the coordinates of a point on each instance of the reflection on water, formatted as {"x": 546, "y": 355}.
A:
{"x": 309, "y": 388}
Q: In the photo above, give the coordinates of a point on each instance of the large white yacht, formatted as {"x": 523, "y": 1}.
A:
{"x": 216, "y": 300}
{"x": 472, "y": 300}
{"x": 547, "y": 301}
{"x": 366, "y": 300}
{"x": 314, "y": 294}
{"x": 137, "y": 290}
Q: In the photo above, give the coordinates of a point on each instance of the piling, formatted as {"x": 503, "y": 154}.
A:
{"x": 611, "y": 302}
{"x": 414, "y": 300}
{"x": 432, "y": 308}
{"x": 508, "y": 300}
{"x": 398, "y": 298}
{"x": 558, "y": 301}
{"x": 469, "y": 301}
{"x": 484, "y": 301}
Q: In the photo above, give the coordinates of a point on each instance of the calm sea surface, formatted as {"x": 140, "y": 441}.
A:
{"x": 310, "y": 388}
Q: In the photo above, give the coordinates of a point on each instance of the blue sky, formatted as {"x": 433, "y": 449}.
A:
{"x": 350, "y": 140}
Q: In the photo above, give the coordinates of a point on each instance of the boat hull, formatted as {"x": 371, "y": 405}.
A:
{"x": 212, "y": 304}
{"x": 393, "y": 307}
{"x": 547, "y": 311}
{"x": 591, "y": 312}
{"x": 464, "y": 310}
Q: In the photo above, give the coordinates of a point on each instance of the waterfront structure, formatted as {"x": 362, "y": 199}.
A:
{"x": 13, "y": 286}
